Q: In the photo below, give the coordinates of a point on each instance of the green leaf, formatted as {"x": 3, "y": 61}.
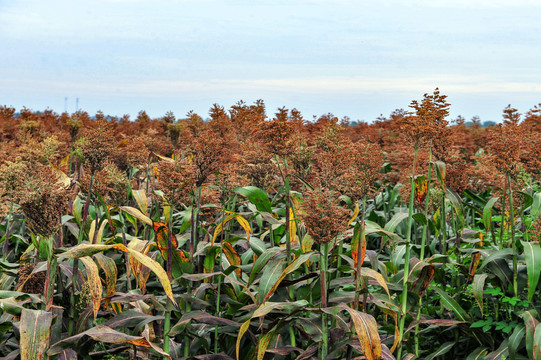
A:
{"x": 495, "y": 255}
{"x": 532, "y": 252}
{"x": 502, "y": 351}
{"x": 531, "y": 324}
{"x": 262, "y": 261}
{"x": 516, "y": 339}
{"x": 477, "y": 354}
{"x": 444, "y": 349}
{"x": 268, "y": 307}
{"x": 451, "y": 304}
{"x": 487, "y": 212}
{"x": 478, "y": 284}
{"x": 395, "y": 221}
{"x": 256, "y": 196}
{"x": 35, "y": 328}
{"x": 271, "y": 274}
{"x": 536, "y": 205}
{"x": 440, "y": 172}
{"x": 288, "y": 270}
{"x": 455, "y": 199}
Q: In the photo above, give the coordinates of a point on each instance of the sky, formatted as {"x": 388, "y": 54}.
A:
{"x": 355, "y": 58}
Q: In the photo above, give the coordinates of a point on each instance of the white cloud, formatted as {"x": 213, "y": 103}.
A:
{"x": 312, "y": 86}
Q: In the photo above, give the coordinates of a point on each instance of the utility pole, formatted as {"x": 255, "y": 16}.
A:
{"x": 66, "y": 104}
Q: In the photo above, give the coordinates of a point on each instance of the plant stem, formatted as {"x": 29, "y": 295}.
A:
{"x": 169, "y": 262}
{"x": 404, "y": 299}
{"x": 323, "y": 278}
{"x": 423, "y": 244}
{"x": 360, "y": 245}
{"x": 427, "y": 204}
{"x": 504, "y": 203}
{"x": 443, "y": 227}
{"x": 513, "y": 244}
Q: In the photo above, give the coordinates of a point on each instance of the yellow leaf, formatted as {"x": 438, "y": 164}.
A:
{"x": 100, "y": 231}
{"x": 92, "y": 231}
{"x": 137, "y": 214}
{"x": 307, "y": 243}
{"x": 123, "y": 143}
{"x": 141, "y": 272}
{"x": 355, "y": 213}
{"x": 219, "y": 228}
{"x": 242, "y": 330}
{"x": 152, "y": 265}
{"x": 140, "y": 197}
{"x": 245, "y": 225}
{"x": 111, "y": 273}
{"x": 94, "y": 282}
{"x": 292, "y": 226}
{"x": 367, "y": 332}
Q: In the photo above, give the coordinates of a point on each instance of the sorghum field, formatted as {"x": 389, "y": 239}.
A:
{"x": 266, "y": 236}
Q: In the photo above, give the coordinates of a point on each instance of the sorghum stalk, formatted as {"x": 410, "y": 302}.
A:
{"x": 404, "y": 299}
{"x": 324, "y": 253}
{"x": 443, "y": 227}
{"x": 360, "y": 244}
{"x": 76, "y": 261}
{"x": 504, "y": 204}
{"x": 513, "y": 244}
{"x": 427, "y": 204}
{"x": 167, "y": 322}
{"x": 51, "y": 274}
{"x": 288, "y": 242}
{"x": 423, "y": 244}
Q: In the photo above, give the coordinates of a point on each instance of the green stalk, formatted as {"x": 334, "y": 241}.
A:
{"x": 504, "y": 203}
{"x": 51, "y": 274}
{"x": 423, "y": 244}
{"x": 404, "y": 299}
{"x": 219, "y": 289}
{"x": 323, "y": 282}
{"x": 288, "y": 243}
{"x": 76, "y": 261}
{"x": 169, "y": 262}
{"x": 360, "y": 243}
{"x": 513, "y": 244}
{"x": 193, "y": 245}
{"x": 126, "y": 256}
{"x": 443, "y": 227}
{"x": 427, "y": 204}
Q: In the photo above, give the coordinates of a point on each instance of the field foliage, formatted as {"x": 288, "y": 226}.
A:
{"x": 266, "y": 236}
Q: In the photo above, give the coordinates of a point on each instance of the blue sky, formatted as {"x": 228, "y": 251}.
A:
{"x": 354, "y": 58}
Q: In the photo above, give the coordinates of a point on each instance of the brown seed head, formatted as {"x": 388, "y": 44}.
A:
{"x": 324, "y": 218}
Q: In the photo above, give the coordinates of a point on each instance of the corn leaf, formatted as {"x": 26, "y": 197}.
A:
{"x": 94, "y": 282}
{"x": 532, "y": 253}
{"x": 35, "y": 329}
{"x": 367, "y": 332}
